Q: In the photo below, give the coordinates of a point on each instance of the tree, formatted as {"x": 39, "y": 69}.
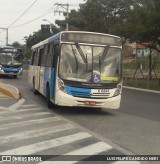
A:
{"x": 143, "y": 26}
{"x": 36, "y": 38}
{"x": 16, "y": 44}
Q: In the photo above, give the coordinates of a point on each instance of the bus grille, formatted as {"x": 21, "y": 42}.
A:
{"x": 90, "y": 95}
{"x": 101, "y": 95}
{"x": 80, "y": 94}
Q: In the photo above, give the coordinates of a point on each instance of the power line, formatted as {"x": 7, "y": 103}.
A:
{"x": 46, "y": 13}
{"x": 22, "y": 14}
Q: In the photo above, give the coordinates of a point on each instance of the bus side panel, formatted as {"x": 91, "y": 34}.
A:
{"x": 33, "y": 74}
{"x": 41, "y": 80}
{"x": 36, "y": 77}
{"x": 47, "y": 77}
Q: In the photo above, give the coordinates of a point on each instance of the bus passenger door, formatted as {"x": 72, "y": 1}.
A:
{"x": 41, "y": 72}
{"x": 35, "y": 70}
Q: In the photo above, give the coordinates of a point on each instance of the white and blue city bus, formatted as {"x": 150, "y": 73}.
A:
{"x": 10, "y": 61}
{"x": 76, "y": 68}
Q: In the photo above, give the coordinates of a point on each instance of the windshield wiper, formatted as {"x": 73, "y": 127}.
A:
{"x": 102, "y": 58}
{"x": 74, "y": 52}
{"x": 81, "y": 52}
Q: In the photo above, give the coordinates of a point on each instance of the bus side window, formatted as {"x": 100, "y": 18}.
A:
{"x": 44, "y": 57}
{"x": 56, "y": 52}
{"x": 56, "y": 49}
{"x": 41, "y": 52}
{"x": 35, "y": 62}
{"x": 32, "y": 57}
{"x": 49, "y": 55}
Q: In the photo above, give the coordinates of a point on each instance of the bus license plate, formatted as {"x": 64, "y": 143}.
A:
{"x": 103, "y": 91}
{"x": 91, "y": 103}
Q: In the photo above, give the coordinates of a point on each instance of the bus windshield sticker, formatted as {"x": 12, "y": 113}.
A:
{"x": 96, "y": 78}
{"x": 104, "y": 78}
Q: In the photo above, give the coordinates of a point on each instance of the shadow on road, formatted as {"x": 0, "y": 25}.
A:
{"x": 81, "y": 111}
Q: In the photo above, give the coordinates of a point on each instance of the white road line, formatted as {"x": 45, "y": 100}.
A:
{"x": 91, "y": 149}
{"x": 17, "y": 105}
{"x": 2, "y": 108}
{"x": 19, "y": 110}
{"x": 30, "y": 122}
{"x": 29, "y": 109}
{"x": 88, "y": 151}
{"x": 34, "y": 148}
{"x": 35, "y": 133}
{"x": 21, "y": 116}
{"x": 29, "y": 105}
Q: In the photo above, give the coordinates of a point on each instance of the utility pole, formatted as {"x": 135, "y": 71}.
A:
{"x": 6, "y": 34}
{"x": 63, "y": 8}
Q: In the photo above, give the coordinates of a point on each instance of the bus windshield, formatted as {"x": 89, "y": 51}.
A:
{"x": 10, "y": 59}
{"x": 91, "y": 64}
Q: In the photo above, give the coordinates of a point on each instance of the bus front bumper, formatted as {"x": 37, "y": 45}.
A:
{"x": 12, "y": 73}
{"x": 64, "y": 99}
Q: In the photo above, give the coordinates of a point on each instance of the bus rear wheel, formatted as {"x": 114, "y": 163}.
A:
{"x": 49, "y": 103}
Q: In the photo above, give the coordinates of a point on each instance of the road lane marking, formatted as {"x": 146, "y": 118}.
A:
{"x": 35, "y": 133}
{"x": 87, "y": 151}
{"x": 21, "y": 116}
{"x": 30, "y": 122}
{"x": 21, "y": 110}
{"x": 29, "y": 105}
{"x": 40, "y": 146}
{"x": 91, "y": 149}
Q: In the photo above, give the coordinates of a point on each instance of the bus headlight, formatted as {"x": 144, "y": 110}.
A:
{"x": 118, "y": 90}
{"x": 61, "y": 85}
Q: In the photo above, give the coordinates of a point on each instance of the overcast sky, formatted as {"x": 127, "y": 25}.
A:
{"x": 11, "y": 10}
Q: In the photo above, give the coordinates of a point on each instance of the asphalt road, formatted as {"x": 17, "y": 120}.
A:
{"x": 134, "y": 127}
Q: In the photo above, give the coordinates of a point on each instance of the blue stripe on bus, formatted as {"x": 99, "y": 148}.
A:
{"x": 78, "y": 92}
{"x": 52, "y": 83}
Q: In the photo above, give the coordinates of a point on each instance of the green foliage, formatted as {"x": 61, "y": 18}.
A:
{"x": 134, "y": 20}
{"x": 16, "y": 44}
{"x": 36, "y": 38}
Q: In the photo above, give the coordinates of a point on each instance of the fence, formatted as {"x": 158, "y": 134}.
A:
{"x": 136, "y": 73}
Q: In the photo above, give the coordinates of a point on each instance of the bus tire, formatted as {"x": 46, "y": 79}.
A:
{"x": 49, "y": 103}
{"x": 34, "y": 90}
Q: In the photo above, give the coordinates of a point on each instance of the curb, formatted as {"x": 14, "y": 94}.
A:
{"x": 17, "y": 105}
{"x": 10, "y": 91}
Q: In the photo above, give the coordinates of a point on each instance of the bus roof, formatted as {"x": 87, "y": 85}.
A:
{"x": 58, "y": 36}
